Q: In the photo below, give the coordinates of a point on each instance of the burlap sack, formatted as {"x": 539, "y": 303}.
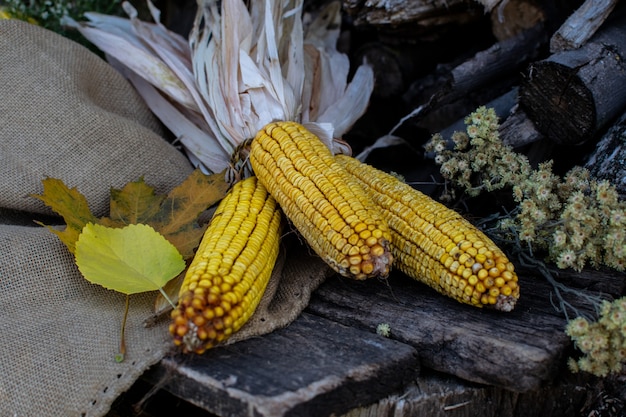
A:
{"x": 65, "y": 113}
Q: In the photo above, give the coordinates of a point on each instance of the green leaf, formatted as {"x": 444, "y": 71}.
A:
{"x": 175, "y": 215}
{"x": 129, "y": 260}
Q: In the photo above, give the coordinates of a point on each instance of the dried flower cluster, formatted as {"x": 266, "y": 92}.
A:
{"x": 603, "y": 343}
{"x": 578, "y": 220}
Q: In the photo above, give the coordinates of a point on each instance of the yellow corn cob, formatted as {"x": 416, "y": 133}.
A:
{"x": 436, "y": 245}
{"x": 325, "y": 204}
{"x": 231, "y": 269}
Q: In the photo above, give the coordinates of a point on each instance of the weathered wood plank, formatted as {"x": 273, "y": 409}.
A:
{"x": 313, "y": 367}
{"x": 519, "y": 351}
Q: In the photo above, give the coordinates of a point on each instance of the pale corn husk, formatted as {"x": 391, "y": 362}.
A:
{"x": 240, "y": 69}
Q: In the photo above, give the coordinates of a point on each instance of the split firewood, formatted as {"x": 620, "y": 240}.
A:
{"x": 572, "y": 95}
{"x": 608, "y": 160}
{"x": 518, "y": 130}
{"x": 581, "y": 25}
{"x": 480, "y": 79}
{"x": 511, "y": 17}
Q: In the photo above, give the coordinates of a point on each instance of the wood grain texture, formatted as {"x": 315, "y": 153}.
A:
{"x": 313, "y": 367}
{"x": 519, "y": 351}
{"x": 438, "y": 395}
{"x": 426, "y": 13}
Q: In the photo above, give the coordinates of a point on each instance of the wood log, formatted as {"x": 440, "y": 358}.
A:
{"x": 608, "y": 159}
{"x": 517, "y": 130}
{"x": 512, "y": 17}
{"x": 452, "y": 95}
{"x": 572, "y": 95}
{"x": 422, "y": 14}
{"x": 581, "y": 25}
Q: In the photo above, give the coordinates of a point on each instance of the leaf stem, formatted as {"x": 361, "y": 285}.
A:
{"x": 122, "y": 353}
{"x": 164, "y": 294}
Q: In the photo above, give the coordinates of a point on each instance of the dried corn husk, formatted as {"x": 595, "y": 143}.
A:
{"x": 240, "y": 69}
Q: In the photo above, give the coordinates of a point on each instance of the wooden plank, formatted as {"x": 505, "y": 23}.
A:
{"x": 519, "y": 351}
{"x": 439, "y": 395}
{"x": 313, "y": 367}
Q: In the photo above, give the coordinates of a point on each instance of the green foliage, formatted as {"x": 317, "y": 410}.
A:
{"x": 49, "y": 14}
{"x": 132, "y": 259}
{"x": 603, "y": 343}
{"x": 578, "y": 220}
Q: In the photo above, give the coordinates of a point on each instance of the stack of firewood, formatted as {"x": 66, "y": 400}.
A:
{"x": 554, "y": 70}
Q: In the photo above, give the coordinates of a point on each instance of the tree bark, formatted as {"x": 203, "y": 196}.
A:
{"x": 423, "y": 14}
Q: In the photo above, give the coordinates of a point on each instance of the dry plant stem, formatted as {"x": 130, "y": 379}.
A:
{"x": 560, "y": 289}
{"x": 528, "y": 260}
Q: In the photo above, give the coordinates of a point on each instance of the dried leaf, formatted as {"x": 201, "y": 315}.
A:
{"x": 176, "y": 218}
{"x": 115, "y": 37}
{"x": 70, "y": 204}
{"x": 135, "y": 203}
{"x": 197, "y": 142}
{"x": 246, "y": 64}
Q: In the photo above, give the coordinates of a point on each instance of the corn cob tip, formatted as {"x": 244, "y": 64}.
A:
{"x": 374, "y": 259}
{"x": 505, "y": 303}
{"x": 436, "y": 245}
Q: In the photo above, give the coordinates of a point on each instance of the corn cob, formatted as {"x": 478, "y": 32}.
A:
{"x": 231, "y": 269}
{"x": 436, "y": 245}
{"x": 324, "y": 203}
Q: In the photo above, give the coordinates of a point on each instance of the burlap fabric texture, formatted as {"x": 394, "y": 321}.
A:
{"x": 65, "y": 113}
